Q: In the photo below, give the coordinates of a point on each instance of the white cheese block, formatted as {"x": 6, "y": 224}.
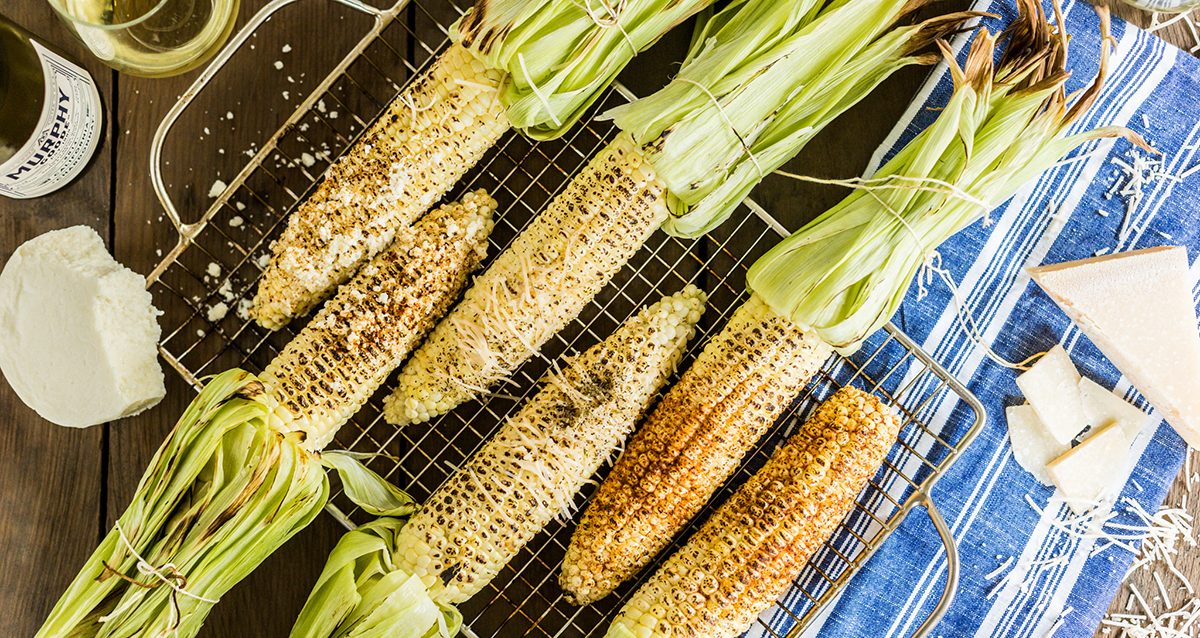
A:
{"x": 1032, "y": 443}
{"x": 1093, "y": 469}
{"x": 1104, "y": 407}
{"x": 1052, "y": 387}
{"x": 1137, "y": 307}
{"x": 78, "y": 333}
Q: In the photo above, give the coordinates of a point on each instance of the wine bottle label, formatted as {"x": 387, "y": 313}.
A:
{"x": 66, "y": 136}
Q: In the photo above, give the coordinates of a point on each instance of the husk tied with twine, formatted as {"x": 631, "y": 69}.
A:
{"x": 221, "y": 494}
{"x": 845, "y": 274}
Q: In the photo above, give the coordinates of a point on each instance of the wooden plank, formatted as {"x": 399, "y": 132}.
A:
{"x": 205, "y": 146}
{"x": 50, "y": 506}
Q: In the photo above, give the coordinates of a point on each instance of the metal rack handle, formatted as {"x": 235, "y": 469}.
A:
{"x": 189, "y": 231}
{"x": 924, "y": 500}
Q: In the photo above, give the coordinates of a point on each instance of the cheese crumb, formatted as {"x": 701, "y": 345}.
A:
{"x": 213, "y": 270}
{"x": 216, "y": 189}
{"x": 217, "y": 312}
{"x": 278, "y": 65}
{"x": 308, "y": 159}
{"x": 243, "y": 309}
{"x": 235, "y": 221}
{"x": 287, "y": 48}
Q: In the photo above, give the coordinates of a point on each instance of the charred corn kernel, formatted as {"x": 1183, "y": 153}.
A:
{"x": 745, "y": 556}
{"x": 337, "y": 362}
{"x": 692, "y": 442}
{"x": 435, "y": 130}
{"x": 530, "y": 471}
{"x": 536, "y": 286}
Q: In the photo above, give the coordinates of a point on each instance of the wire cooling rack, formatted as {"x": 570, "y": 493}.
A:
{"x": 205, "y": 282}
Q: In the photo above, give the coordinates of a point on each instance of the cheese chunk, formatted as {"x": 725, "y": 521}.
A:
{"x": 78, "y": 333}
{"x": 1104, "y": 407}
{"x": 1091, "y": 470}
{"x": 1137, "y": 307}
{"x": 1052, "y": 387}
{"x": 1032, "y": 443}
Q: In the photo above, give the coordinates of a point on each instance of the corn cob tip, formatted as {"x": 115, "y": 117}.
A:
{"x": 746, "y": 555}
{"x": 329, "y": 370}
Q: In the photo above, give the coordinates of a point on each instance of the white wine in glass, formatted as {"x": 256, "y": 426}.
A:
{"x": 150, "y": 38}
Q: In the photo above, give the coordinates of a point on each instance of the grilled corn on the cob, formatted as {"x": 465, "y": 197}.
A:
{"x": 747, "y": 554}
{"x": 531, "y": 469}
{"x": 692, "y": 442}
{"x": 435, "y": 130}
{"x": 536, "y": 286}
{"x": 337, "y": 362}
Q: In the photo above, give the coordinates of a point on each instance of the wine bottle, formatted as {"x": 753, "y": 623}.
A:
{"x": 51, "y": 116}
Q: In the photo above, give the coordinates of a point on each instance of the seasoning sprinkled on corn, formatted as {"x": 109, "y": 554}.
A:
{"x": 435, "y": 130}
{"x": 337, "y": 362}
{"x": 690, "y": 445}
{"x": 536, "y": 286}
{"x": 746, "y": 555}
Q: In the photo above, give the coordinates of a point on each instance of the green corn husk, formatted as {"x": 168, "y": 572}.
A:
{"x": 845, "y": 273}
{"x": 221, "y": 494}
{"x": 361, "y": 594}
{"x": 779, "y": 72}
{"x": 553, "y": 48}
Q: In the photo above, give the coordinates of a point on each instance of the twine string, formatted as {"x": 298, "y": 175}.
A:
{"x": 725, "y": 116}
{"x": 931, "y": 264}
{"x": 613, "y": 18}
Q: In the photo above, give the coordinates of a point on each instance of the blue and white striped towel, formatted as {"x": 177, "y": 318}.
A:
{"x": 1153, "y": 89}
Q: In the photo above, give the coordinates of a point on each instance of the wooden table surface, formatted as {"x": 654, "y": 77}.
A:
{"x": 61, "y": 488}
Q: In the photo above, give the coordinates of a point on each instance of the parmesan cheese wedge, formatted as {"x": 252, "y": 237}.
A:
{"x": 1104, "y": 407}
{"x": 1052, "y": 387}
{"x": 78, "y": 333}
{"x": 1137, "y": 307}
{"x": 1032, "y": 444}
{"x": 1090, "y": 470}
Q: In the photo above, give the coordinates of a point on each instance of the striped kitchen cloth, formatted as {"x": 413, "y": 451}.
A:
{"x": 1055, "y": 582}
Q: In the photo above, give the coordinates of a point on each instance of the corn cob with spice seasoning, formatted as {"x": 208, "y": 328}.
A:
{"x": 536, "y": 65}
{"x": 694, "y": 440}
{"x": 759, "y": 48}
{"x": 834, "y": 283}
{"x": 746, "y": 555}
{"x": 536, "y": 286}
{"x": 343, "y": 355}
{"x": 527, "y": 474}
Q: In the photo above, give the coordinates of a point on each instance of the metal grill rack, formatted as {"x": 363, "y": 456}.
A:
{"x": 941, "y": 416}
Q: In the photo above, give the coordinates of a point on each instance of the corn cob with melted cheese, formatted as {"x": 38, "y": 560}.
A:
{"x": 746, "y": 555}
{"x": 435, "y": 130}
{"x": 336, "y": 363}
{"x": 536, "y": 286}
{"x": 694, "y": 440}
{"x": 530, "y": 471}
